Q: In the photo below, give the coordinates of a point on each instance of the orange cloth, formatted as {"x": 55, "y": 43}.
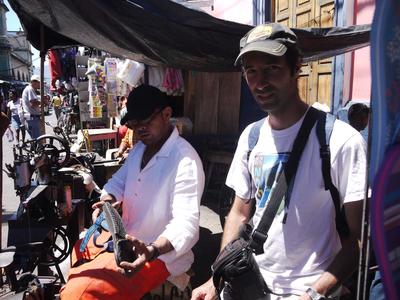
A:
{"x": 121, "y": 132}
{"x": 99, "y": 278}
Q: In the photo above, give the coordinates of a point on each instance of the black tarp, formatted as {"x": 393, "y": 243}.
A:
{"x": 162, "y": 32}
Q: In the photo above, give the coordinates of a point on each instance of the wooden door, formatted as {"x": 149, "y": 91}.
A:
{"x": 212, "y": 102}
{"x": 316, "y": 77}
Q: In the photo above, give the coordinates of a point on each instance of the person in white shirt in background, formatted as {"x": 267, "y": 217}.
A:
{"x": 358, "y": 116}
{"x": 31, "y": 106}
{"x": 16, "y": 115}
{"x": 159, "y": 188}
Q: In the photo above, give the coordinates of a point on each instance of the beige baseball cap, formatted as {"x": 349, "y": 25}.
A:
{"x": 35, "y": 78}
{"x": 269, "y": 38}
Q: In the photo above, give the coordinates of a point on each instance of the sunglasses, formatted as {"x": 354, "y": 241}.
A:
{"x": 143, "y": 123}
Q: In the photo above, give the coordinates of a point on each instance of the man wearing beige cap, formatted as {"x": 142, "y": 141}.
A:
{"x": 304, "y": 257}
{"x": 31, "y": 106}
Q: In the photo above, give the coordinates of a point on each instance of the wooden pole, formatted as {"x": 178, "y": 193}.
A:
{"x": 42, "y": 59}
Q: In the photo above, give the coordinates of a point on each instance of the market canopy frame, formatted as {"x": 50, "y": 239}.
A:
{"x": 162, "y": 32}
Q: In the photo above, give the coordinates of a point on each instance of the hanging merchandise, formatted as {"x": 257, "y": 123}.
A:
{"x": 110, "y": 66}
{"x": 68, "y": 67}
{"x": 131, "y": 72}
{"x": 156, "y": 76}
{"x": 121, "y": 85}
{"x": 9, "y": 134}
{"x": 173, "y": 82}
{"x": 55, "y": 67}
{"x": 96, "y": 87}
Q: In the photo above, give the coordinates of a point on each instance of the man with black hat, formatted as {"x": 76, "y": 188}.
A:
{"x": 304, "y": 256}
{"x": 159, "y": 188}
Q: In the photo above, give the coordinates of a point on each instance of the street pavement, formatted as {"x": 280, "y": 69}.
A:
{"x": 205, "y": 250}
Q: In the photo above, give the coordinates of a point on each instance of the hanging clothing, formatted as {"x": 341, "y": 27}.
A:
{"x": 55, "y": 67}
{"x": 156, "y": 76}
{"x": 173, "y": 82}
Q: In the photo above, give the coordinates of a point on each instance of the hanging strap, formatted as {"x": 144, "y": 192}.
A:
{"x": 95, "y": 231}
{"x": 324, "y": 132}
{"x": 288, "y": 173}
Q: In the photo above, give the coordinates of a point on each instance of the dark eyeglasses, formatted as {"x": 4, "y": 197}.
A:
{"x": 143, "y": 123}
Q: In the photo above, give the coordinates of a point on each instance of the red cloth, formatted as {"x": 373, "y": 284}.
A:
{"x": 55, "y": 67}
{"x": 99, "y": 278}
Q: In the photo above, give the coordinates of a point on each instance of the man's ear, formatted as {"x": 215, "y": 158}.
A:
{"x": 167, "y": 112}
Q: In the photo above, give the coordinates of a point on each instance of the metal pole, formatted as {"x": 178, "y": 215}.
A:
{"x": 363, "y": 267}
{"x": 362, "y": 280}
{"x": 42, "y": 59}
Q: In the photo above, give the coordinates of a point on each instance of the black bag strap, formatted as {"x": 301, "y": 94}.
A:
{"x": 324, "y": 131}
{"x": 288, "y": 173}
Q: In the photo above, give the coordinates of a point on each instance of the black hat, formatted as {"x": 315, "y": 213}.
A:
{"x": 270, "y": 38}
{"x": 142, "y": 102}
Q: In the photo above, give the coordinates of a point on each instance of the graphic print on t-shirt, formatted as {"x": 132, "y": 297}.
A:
{"x": 266, "y": 171}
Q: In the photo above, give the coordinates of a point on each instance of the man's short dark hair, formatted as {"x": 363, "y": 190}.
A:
{"x": 358, "y": 116}
{"x": 293, "y": 57}
{"x": 358, "y": 109}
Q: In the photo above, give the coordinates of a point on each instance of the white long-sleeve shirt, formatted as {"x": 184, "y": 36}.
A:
{"x": 163, "y": 199}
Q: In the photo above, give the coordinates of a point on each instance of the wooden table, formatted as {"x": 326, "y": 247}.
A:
{"x": 102, "y": 134}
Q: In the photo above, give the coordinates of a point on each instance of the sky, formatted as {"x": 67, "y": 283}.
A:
{"x": 13, "y": 24}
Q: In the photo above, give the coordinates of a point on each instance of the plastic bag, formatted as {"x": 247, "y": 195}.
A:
{"x": 9, "y": 134}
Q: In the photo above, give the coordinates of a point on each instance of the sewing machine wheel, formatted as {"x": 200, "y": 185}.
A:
{"x": 56, "y": 149}
{"x": 57, "y": 246}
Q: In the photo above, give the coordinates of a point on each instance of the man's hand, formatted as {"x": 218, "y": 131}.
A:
{"x": 143, "y": 253}
{"x": 118, "y": 154}
{"x": 239, "y": 214}
{"x": 206, "y": 291}
{"x": 97, "y": 207}
{"x": 35, "y": 103}
{"x": 126, "y": 153}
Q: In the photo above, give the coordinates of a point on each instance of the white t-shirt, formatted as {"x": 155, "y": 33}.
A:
{"x": 29, "y": 95}
{"x": 15, "y": 107}
{"x": 163, "y": 199}
{"x": 298, "y": 252}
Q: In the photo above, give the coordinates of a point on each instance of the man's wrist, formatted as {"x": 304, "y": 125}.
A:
{"x": 155, "y": 253}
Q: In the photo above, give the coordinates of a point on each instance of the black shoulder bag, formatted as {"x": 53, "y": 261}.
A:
{"x": 235, "y": 270}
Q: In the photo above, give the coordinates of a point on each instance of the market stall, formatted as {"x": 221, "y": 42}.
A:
{"x": 140, "y": 31}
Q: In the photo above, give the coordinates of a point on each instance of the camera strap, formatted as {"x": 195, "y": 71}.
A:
{"x": 284, "y": 183}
